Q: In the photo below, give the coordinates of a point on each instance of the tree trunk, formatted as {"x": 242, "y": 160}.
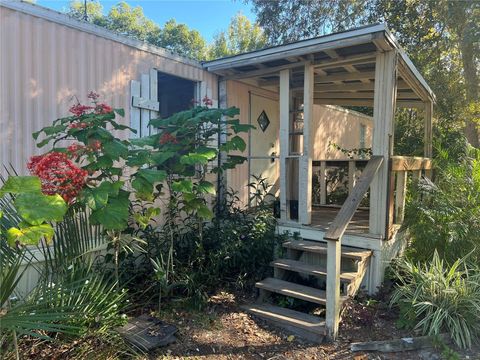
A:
{"x": 462, "y": 23}
{"x": 471, "y": 82}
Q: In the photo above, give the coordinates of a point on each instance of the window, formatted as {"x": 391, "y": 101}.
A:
{"x": 174, "y": 94}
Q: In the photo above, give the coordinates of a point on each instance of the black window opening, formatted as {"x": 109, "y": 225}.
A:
{"x": 174, "y": 94}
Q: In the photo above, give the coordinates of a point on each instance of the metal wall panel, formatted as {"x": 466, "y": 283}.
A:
{"x": 45, "y": 66}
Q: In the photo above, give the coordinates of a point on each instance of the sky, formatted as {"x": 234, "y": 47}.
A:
{"x": 206, "y": 16}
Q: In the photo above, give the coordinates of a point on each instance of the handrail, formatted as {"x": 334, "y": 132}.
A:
{"x": 410, "y": 163}
{"x": 340, "y": 223}
{"x": 333, "y": 237}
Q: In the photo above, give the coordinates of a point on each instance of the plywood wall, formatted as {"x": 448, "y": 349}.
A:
{"x": 46, "y": 65}
{"x": 331, "y": 125}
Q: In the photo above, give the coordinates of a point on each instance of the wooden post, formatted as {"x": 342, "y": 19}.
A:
{"x": 305, "y": 170}
{"x": 332, "y": 311}
{"x": 323, "y": 182}
{"x": 382, "y": 143}
{"x": 351, "y": 175}
{"x": 222, "y": 177}
{"x": 284, "y": 139}
{"x": 428, "y": 152}
{"x": 145, "y": 113}
{"x": 400, "y": 192}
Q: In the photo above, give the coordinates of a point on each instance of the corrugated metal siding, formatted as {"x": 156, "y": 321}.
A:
{"x": 45, "y": 65}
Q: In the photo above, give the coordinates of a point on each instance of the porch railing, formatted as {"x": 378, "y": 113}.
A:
{"x": 334, "y": 236}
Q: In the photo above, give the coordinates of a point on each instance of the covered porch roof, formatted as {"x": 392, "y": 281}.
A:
{"x": 344, "y": 66}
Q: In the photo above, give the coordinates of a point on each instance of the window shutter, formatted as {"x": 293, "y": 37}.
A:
{"x": 144, "y": 104}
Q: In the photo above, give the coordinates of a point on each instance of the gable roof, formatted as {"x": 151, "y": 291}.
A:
{"x": 350, "y": 43}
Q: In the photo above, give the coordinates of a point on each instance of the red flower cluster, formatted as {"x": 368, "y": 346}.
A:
{"x": 58, "y": 175}
{"x": 103, "y": 109}
{"x": 79, "y": 109}
{"x": 95, "y": 145}
{"x": 80, "y": 125}
{"x": 207, "y": 101}
{"x": 168, "y": 138}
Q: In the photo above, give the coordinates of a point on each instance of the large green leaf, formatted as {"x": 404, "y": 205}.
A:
{"x": 204, "y": 212}
{"x": 114, "y": 215}
{"x": 115, "y": 149}
{"x": 21, "y": 184}
{"x": 37, "y": 208}
{"x": 97, "y": 197}
{"x": 206, "y": 187}
{"x": 152, "y": 175}
{"x": 30, "y": 235}
{"x": 182, "y": 186}
{"x": 158, "y": 158}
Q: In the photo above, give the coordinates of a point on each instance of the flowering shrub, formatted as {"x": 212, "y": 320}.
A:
{"x": 58, "y": 175}
{"x": 98, "y": 181}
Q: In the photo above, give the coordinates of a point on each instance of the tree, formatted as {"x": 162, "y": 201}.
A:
{"x": 130, "y": 21}
{"x": 94, "y": 11}
{"x": 290, "y": 20}
{"x": 241, "y": 36}
{"x": 181, "y": 40}
{"x": 441, "y": 37}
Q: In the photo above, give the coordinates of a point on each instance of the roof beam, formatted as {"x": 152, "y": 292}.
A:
{"x": 264, "y": 71}
{"x": 343, "y": 77}
{"x": 346, "y": 60}
{"x": 401, "y": 85}
{"x": 367, "y": 102}
{"x": 362, "y": 95}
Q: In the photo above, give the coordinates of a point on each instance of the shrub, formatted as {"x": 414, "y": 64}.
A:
{"x": 445, "y": 214}
{"x": 435, "y": 298}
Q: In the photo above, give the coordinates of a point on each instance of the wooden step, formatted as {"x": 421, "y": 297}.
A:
{"x": 316, "y": 270}
{"x": 293, "y": 290}
{"x": 304, "y": 325}
{"x": 321, "y": 248}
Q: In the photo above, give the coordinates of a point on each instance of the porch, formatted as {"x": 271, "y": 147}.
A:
{"x": 365, "y": 68}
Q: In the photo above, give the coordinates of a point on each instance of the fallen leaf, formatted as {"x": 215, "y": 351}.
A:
{"x": 291, "y": 338}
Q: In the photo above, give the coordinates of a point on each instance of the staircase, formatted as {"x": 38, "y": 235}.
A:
{"x": 301, "y": 274}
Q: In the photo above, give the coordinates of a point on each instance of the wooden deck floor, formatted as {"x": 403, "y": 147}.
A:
{"x": 322, "y": 217}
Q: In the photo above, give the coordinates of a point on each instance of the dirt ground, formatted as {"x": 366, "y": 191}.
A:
{"x": 224, "y": 331}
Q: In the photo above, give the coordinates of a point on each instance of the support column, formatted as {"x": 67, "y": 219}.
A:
{"x": 382, "y": 143}
{"x": 332, "y": 311}
{"x": 428, "y": 152}
{"x": 284, "y": 139}
{"x": 305, "y": 171}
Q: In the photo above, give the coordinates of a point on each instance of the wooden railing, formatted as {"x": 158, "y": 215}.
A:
{"x": 334, "y": 236}
{"x": 320, "y": 167}
{"x": 401, "y": 166}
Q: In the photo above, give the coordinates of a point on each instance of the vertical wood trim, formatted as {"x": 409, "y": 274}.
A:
{"x": 222, "y": 138}
{"x": 323, "y": 182}
{"x": 134, "y": 111}
{"x": 428, "y": 129}
{"x": 332, "y": 314}
{"x": 305, "y": 170}
{"x": 400, "y": 196}
{"x": 351, "y": 175}
{"x": 382, "y": 142}
{"x": 284, "y": 139}
{"x": 428, "y": 151}
{"x": 144, "y": 113}
{"x": 153, "y": 95}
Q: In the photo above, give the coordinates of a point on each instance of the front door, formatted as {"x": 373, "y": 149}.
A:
{"x": 264, "y": 145}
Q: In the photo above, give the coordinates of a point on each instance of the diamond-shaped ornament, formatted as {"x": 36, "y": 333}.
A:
{"x": 263, "y": 121}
